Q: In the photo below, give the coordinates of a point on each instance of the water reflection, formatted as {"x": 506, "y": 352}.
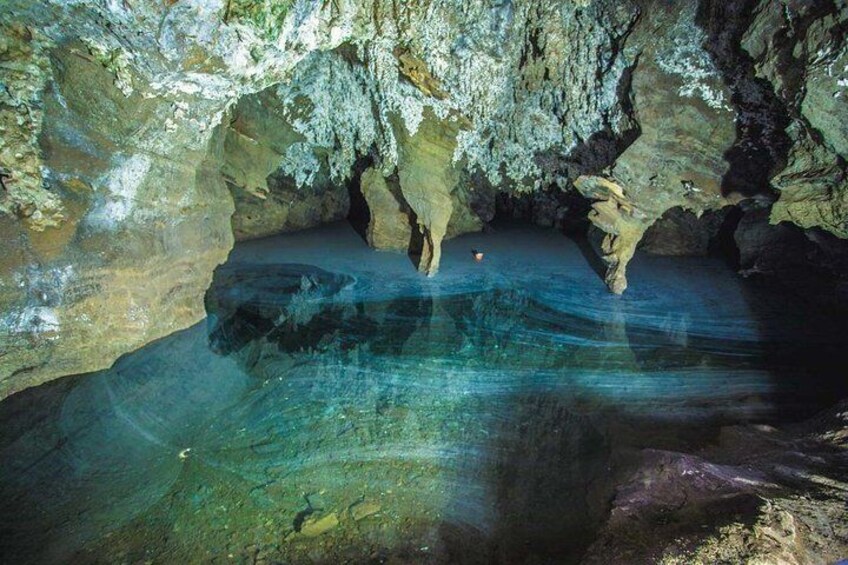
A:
{"x": 472, "y": 422}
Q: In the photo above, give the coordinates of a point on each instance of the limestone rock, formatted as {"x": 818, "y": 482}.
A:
{"x": 24, "y": 71}
{"x": 686, "y": 126}
{"x": 113, "y": 113}
{"x": 258, "y": 146}
{"x": 427, "y": 178}
{"x": 473, "y": 206}
{"x": 256, "y": 138}
{"x": 393, "y": 223}
{"x": 133, "y": 255}
{"x": 812, "y": 192}
{"x": 680, "y": 232}
{"x": 287, "y": 207}
{"x": 417, "y": 72}
{"x": 685, "y": 119}
{"x": 390, "y": 225}
{"x": 807, "y": 72}
{"x": 621, "y": 223}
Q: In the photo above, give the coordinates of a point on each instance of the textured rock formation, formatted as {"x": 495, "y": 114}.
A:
{"x": 799, "y": 50}
{"x": 427, "y": 178}
{"x": 732, "y": 100}
{"x": 621, "y": 223}
{"x": 257, "y": 165}
{"x": 427, "y": 198}
{"x": 120, "y": 121}
{"x": 391, "y": 219}
{"x": 748, "y": 499}
{"x": 25, "y": 71}
{"x": 144, "y": 221}
{"x": 686, "y": 126}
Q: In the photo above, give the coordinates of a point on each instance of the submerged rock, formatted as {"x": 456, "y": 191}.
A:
{"x": 364, "y": 509}
{"x": 314, "y": 527}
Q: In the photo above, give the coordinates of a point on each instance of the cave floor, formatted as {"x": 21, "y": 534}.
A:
{"x": 338, "y": 407}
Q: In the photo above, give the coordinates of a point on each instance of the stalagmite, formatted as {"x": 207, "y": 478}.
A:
{"x": 390, "y": 221}
{"x": 622, "y": 224}
{"x": 427, "y": 178}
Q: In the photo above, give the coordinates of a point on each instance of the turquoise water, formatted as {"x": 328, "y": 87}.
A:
{"x": 337, "y": 407}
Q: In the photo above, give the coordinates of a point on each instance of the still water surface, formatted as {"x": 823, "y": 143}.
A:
{"x": 335, "y": 406}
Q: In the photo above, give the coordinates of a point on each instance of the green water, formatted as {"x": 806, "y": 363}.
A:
{"x": 336, "y": 407}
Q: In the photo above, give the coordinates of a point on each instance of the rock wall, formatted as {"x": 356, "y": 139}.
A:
{"x": 143, "y": 222}
{"x": 733, "y": 101}
{"x": 685, "y": 128}
{"x": 258, "y": 139}
{"x": 799, "y": 50}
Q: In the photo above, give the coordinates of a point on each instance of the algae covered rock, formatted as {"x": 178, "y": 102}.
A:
{"x": 314, "y": 527}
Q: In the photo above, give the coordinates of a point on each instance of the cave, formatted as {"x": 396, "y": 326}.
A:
{"x": 360, "y": 281}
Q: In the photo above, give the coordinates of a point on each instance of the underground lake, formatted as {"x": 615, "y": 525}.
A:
{"x": 460, "y": 282}
{"x": 335, "y": 406}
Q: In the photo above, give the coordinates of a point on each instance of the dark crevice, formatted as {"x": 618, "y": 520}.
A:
{"x": 359, "y": 215}
{"x": 762, "y": 144}
{"x": 566, "y": 211}
{"x": 723, "y": 244}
